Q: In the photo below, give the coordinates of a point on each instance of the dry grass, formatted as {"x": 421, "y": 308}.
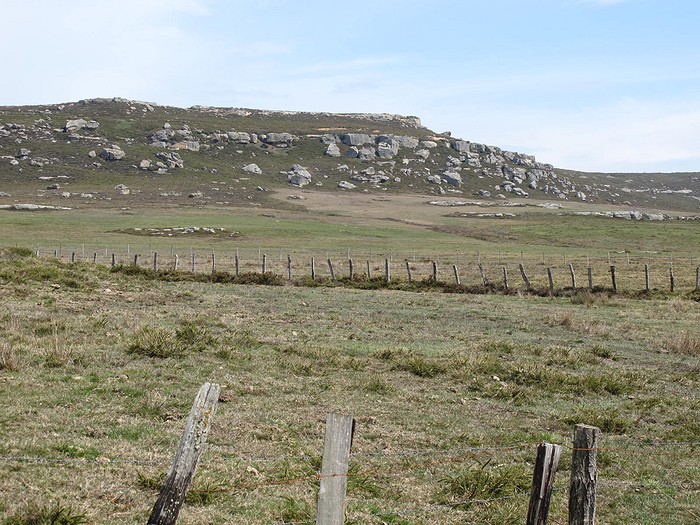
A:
{"x": 683, "y": 343}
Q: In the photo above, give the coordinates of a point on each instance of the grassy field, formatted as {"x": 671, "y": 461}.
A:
{"x": 451, "y": 393}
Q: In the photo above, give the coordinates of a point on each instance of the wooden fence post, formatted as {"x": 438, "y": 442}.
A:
{"x": 334, "y": 470}
{"x": 193, "y": 263}
{"x": 505, "y": 278}
{"x": 671, "y": 278}
{"x": 72, "y": 257}
{"x": 697, "y": 278}
{"x": 584, "y": 475}
{"x": 646, "y": 277}
{"x": 456, "y": 271}
{"x": 313, "y": 268}
{"x": 435, "y": 271}
{"x": 237, "y": 264}
{"x": 136, "y": 259}
{"x": 524, "y": 276}
{"x": 94, "y": 258}
{"x": 614, "y": 278}
{"x": 573, "y": 276}
{"x": 177, "y": 482}
{"x": 177, "y": 262}
{"x": 114, "y": 260}
{"x": 546, "y": 466}
{"x": 213, "y": 263}
{"x": 484, "y": 280}
{"x": 551, "y": 281}
{"x": 369, "y": 270}
{"x": 330, "y": 269}
{"x": 264, "y": 263}
{"x": 351, "y": 270}
{"x": 590, "y": 278}
{"x": 289, "y": 268}
{"x": 155, "y": 262}
{"x": 408, "y": 272}
{"x": 387, "y": 270}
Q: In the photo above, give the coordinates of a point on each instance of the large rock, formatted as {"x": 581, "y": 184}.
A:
{"x": 356, "y": 139}
{"x": 352, "y": 152}
{"x": 239, "y": 137}
{"x": 428, "y": 144}
{"x": 452, "y": 177}
{"x": 22, "y": 153}
{"x": 172, "y": 160}
{"x": 461, "y": 146}
{"x": 252, "y": 168}
{"x": 299, "y": 176}
{"x": 366, "y": 154}
{"x": 280, "y": 140}
{"x": 113, "y": 153}
{"x": 333, "y": 150}
{"x": 345, "y": 185}
{"x": 387, "y": 147}
{"x": 78, "y": 124}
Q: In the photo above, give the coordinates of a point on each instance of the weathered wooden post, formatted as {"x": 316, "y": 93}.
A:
{"x": 505, "y": 278}
{"x": 176, "y": 263}
{"x": 546, "y": 466}
{"x": 72, "y": 257}
{"x": 369, "y": 270}
{"x": 236, "y": 262}
{"x": 193, "y": 263}
{"x": 614, "y": 278}
{"x": 289, "y": 268}
{"x": 213, "y": 263}
{"x": 584, "y": 475}
{"x": 136, "y": 259}
{"x": 524, "y": 276}
{"x": 646, "y": 277}
{"x": 408, "y": 272}
{"x": 155, "y": 262}
{"x": 484, "y": 280}
{"x": 697, "y": 278}
{"x": 456, "y": 272}
{"x": 313, "y": 268}
{"x": 387, "y": 270}
{"x": 551, "y": 281}
{"x": 590, "y": 278}
{"x": 435, "y": 271}
{"x": 177, "y": 482}
{"x": 334, "y": 470}
{"x": 114, "y": 260}
{"x": 331, "y": 270}
{"x": 671, "y": 278}
{"x": 94, "y": 258}
{"x": 573, "y": 276}
{"x": 351, "y": 271}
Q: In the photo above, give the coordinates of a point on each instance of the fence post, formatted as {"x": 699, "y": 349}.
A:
{"x": 289, "y": 267}
{"x": 546, "y": 466}
{"x": 155, "y": 262}
{"x": 213, "y": 263}
{"x": 313, "y": 268}
{"x": 334, "y": 470}
{"x": 264, "y": 263}
{"x": 573, "y": 276}
{"x": 435, "y": 272}
{"x": 351, "y": 272}
{"x": 94, "y": 258}
{"x": 369, "y": 270}
{"x": 584, "y": 475}
{"x": 177, "y": 482}
{"x": 330, "y": 269}
{"x": 114, "y": 260}
{"x": 551, "y": 281}
{"x": 387, "y": 270}
{"x": 671, "y": 278}
{"x": 136, "y": 259}
{"x": 236, "y": 262}
{"x": 614, "y": 278}
{"x": 72, "y": 257}
{"x": 177, "y": 262}
{"x": 590, "y": 278}
{"x": 456, "y": 271}
{"x": 646, "y": 277}
{"x": 697, "y": 278}
{"x": 484, "y": 280}
{"x": 524, "y": 276}
{"x": 505, "y": 278}
{"x": 193, "y": 264}
{"x": 408, "y": 272}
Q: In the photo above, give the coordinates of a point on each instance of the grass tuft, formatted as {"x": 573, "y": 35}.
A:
{"x": 154, "y": 342}
{"x": 55, "y": 514}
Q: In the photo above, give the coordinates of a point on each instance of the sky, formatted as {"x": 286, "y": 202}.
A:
{"x": 590, "y": 85}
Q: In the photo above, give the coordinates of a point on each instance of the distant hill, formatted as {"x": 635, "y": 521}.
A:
{"x": 118, "y": 152}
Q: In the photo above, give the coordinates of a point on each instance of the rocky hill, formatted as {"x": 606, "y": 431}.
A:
{"x": 117, "y": 152}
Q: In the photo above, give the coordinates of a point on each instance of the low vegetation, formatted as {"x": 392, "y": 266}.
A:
{"x": 451, "y": 394}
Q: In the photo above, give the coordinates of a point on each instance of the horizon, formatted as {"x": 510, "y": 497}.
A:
{"x": 587, "y": 85}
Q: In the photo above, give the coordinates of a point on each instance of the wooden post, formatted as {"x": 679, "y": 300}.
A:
{"x": 697, "y": 278}
{"x": 334, "y": 470}
{"x": 369, "y": 270}
{"x": 289, "y": 268}
{"x": 313, "y": 268}
{"x": 614, "y": 278}
{"x": 213, "y": 263}
{"x": 524, "y": 276}
{"x": 573, "y": 276}
{"x": 408, "y": 272}
{"x": 155, "y": 262}
{"x": 351, "y": 272}
{"x": 330, "y": 269}
{"x": 193, "y": 263}
{"x": 387, "y": 270}
{"x": 505, "y": 278}
{"x": 136, "y": 259}
{"x": 435, "y": 272}
{"x": 72, "y": 257}
{"x": 177, "y": 482}
{"x": 177, "y": 262}
{"x": 237, "y": 264}
{"x": 584, "y": 475}
{"x": 94, "y": 258}
{"x": 264, "y": 263}
{"x": 456, "y": 272}
{"x": 590, "y": 278}
{"x": 484, "y": 280}
{"x": 551, "y": 281}
{"x": 114, "y": 260}
{"x": 646, "y": 277}
{"x": 671, "y": 278}
{"x": 546, "y": 466}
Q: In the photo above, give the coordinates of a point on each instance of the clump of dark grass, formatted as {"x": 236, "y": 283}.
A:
{"x": 481, "y": 483}
{"x": 153, "y": 341}
{"x": 56, "y": 514}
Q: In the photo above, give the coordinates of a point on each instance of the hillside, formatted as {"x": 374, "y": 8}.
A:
{"x": 116, "y": 152}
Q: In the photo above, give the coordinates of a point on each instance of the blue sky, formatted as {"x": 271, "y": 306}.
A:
{"x": 600, "y": 85}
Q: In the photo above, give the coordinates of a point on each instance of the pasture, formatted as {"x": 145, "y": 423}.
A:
{"x": 451, "y": 392}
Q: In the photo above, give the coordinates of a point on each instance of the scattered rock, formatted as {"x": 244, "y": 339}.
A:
{"x": 333, "y": 150}
{"x": 253, "y": 169}
{"x": 172, "y": 160}
{"x": 113, "y": 153}
{"x": 299, "y": 176}
{"x": 345, "y": 185}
